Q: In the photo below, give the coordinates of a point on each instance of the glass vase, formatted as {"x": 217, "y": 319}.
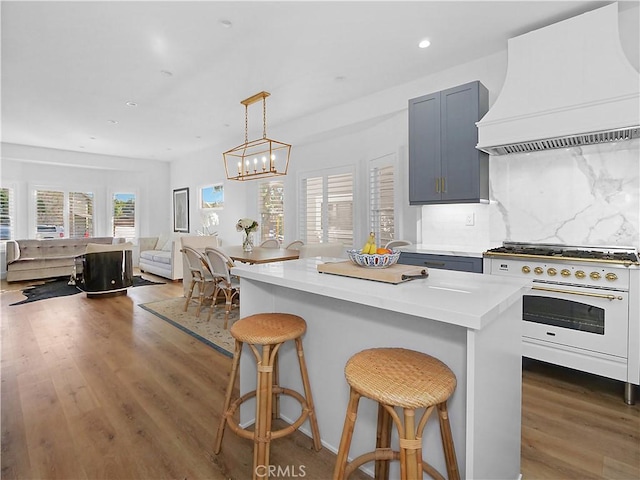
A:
{"x": 247, "y": 241}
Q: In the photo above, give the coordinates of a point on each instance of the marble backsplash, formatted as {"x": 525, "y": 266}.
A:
{"x": 580, "y": 196}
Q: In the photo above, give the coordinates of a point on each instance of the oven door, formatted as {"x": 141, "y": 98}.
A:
{"x": 586, "y": 318}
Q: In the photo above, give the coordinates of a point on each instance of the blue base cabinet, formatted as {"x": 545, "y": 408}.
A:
{"x": 444, "y": 262}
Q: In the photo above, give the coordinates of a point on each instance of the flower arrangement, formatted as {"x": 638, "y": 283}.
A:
{"x": 248, "y": 226}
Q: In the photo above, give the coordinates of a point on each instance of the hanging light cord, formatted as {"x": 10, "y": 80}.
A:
{"x": 264, "y": 117}
{"x": 246, "y": 124}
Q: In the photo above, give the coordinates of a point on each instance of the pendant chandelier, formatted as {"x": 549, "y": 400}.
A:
{"x": 257, "y": 158}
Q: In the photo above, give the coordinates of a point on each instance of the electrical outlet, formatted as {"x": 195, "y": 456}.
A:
{"x": 470, "y": 219}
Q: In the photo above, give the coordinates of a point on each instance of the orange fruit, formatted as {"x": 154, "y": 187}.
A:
{"x": 383, "y": 251}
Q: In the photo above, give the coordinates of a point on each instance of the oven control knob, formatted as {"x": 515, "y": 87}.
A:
{"x": 580, "y": 274}
{"x": 611, "y": 276}
{"x": 526, "y": 269}
{"x": 538, "y": 270}
{"x": 551, "y": 272}
{"x": 565, "y": 273}
{"x": 595, "y": 276}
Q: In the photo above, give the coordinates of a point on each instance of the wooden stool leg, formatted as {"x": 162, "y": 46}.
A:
{"x": 347, "y": 434}
{"x": 262, "y": 429}
{"x": 275, "y": 410}
{"x": 411, "y": 447}
{"x": 227, "y": 399}
{"x": 447, "y": 442}
{"x": 313, "y": 421}
{"x": 383, "y": 441}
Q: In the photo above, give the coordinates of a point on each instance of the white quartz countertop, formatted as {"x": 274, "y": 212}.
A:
{"x": 445, "y": 250}
{"x": 470, "y": 300}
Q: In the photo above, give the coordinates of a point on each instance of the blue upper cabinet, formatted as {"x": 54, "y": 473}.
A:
{"x": 444, "y": 165}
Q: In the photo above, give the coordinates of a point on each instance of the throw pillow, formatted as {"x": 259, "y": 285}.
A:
{"x": 162, "y": 239}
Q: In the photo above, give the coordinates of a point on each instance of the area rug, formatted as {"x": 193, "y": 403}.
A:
{"x": 59, "y": 287}
{"x": 210, "y": 332}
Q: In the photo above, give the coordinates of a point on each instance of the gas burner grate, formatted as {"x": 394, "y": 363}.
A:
{"x": 561, "y": 251}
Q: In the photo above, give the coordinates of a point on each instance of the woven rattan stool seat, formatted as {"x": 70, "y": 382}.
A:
{"x": 401, "y": 377}
{"x": 268, "y": 328}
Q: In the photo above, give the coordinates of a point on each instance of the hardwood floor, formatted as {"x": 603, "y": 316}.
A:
{"x": 102, "y": 389}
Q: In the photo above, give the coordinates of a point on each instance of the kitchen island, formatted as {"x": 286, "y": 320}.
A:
{"x": 471, "y": 322}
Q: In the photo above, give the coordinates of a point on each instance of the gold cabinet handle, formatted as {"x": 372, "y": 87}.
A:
{"x": 442, "y": 184}
{"x": 438, "y": 185}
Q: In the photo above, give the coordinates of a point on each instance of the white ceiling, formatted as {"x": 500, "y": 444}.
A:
{"x": 70, "y": 67}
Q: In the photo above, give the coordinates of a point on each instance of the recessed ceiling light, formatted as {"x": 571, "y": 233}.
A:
{"x": 340, "y": 78}
{"x": 112, "y": 121}
{"x": 92, "y": 138}
{"x": 198, "y": 136}
{"x": 166, "y": 73}
{"x": 131, "y": 104}
{"x": 226, "y": 23}
{"x": 424, "y": 43}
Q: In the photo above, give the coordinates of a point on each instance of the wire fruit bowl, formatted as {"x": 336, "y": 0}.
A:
{"x": 373, "y": 260}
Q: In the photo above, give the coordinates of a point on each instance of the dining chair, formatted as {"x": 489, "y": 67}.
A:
{"x": 295, "y": 245}
{"x": 322, "y": 250}
{"x": 270, "y": 243}
{"x": 200, "y": 276}
{"x": 220, "y": 265}
{"x": 397, "y": 243}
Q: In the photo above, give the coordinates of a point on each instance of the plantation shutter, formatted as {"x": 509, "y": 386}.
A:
{"x": 124, "y": 215}
{"x": 311, "y": 211}
{"x": 271, "y": 208}
{"x": 326, "y": 210}
{"x": 340, "y": 208}
{"x": 6, "y": 214}
{"x": 49, "y": 214}
{"x": 381, "y": 203}
{"x": 80, "y": 214}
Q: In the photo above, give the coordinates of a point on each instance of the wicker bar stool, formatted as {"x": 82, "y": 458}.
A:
{"x": 396, "y": 377}
{"x": 269, "y": 331}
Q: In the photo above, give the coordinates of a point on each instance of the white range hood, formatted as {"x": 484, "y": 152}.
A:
{"x": 567, "y": 84}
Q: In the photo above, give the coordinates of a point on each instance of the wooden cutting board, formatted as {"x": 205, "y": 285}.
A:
{"x": 394, "y": 274}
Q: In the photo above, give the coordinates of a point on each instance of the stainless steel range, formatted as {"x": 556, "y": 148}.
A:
{"x": 583, "y": 311}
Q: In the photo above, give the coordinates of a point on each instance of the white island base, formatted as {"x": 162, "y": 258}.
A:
{"x": 469, "y": 321}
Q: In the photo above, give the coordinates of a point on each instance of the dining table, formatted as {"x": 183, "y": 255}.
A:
{"x": 259, "y": 254}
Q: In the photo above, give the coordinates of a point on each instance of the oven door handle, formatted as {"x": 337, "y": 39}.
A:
{"x": 574, "y": 292}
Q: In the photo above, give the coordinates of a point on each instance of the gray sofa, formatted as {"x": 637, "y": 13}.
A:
{"x": 36, "y": 259}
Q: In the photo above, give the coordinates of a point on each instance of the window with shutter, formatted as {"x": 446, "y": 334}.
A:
{"x": 49, "y": 214}
{"x": 381, "y": 201}
{"x": 80, "y": 214}
{"x": 7, "y": 215}
{"x": 271, "y": 209}
{"x": 326, "y": 210}
{"x": 124, "y": 215}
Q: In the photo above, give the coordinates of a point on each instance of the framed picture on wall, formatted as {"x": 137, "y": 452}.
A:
{"x": 212, "y": 196}
{"x": 181, "y": 210}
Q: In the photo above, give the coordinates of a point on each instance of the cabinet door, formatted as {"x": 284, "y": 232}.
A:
{"x": 464, "y": 168}
{"x": 424, "y": 149}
